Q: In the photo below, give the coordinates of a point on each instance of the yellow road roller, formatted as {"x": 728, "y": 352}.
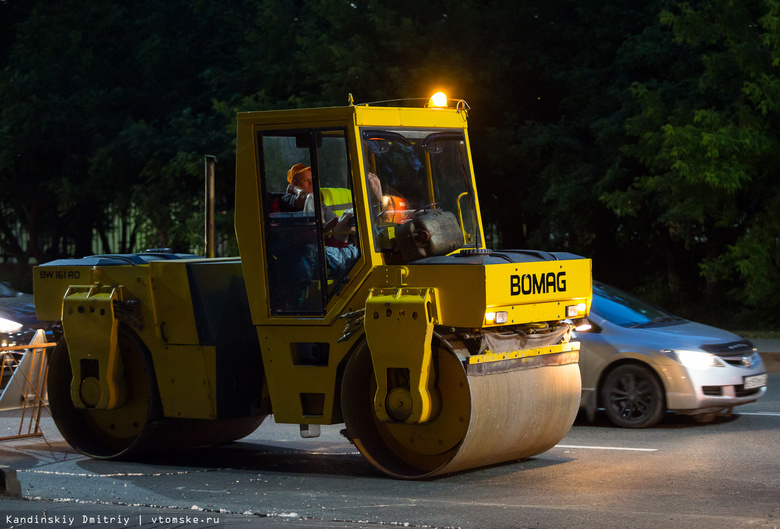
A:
{"x": 364, "y": 294}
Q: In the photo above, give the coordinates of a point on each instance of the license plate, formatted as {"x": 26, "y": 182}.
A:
{"x": 756, "y": 381}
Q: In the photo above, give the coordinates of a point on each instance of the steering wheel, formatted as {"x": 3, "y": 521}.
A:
{"x": 425, "y": 208}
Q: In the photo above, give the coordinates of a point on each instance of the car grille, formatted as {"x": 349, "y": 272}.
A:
{"x": 740, "y": 361}
{"x": 729, "y": 349}
{"x": 739, "y": 391}
{"x": 739, "y": 354}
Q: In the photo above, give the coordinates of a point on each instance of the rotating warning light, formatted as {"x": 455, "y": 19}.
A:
{"x": 438, "y": 100}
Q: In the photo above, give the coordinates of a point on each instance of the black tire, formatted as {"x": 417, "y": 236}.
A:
{"x": 633, "y": 397}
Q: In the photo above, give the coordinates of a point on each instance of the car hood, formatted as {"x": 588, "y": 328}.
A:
{"x": 686, "y": 335}
{"x": 20, "y": 309}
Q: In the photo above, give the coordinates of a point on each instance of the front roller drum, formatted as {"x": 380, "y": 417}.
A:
{"x": 508, "y": 412}
{"x": 137, "y": 426}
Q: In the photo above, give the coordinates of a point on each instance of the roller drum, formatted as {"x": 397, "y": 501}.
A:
{"x": 518, "y": 414}
{"x": 137, "y": 427}
{"x": 511, "y": 411}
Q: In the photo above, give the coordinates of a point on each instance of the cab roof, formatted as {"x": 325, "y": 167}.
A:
{"x": 360, "y": 115}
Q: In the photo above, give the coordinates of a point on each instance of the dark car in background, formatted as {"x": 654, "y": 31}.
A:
{"x": 18, "y": 321}
{"x": 18, "y": 324}
{"x": 638, "y": 360}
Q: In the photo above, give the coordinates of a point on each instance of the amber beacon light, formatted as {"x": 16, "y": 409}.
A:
{"x": 438, "y": 100}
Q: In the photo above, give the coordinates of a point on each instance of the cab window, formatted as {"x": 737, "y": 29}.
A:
{"x": 409, "y": 171}
{"x": 308, "y": 204}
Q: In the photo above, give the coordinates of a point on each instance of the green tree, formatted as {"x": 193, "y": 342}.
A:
{"x": 705, "y": 144}
{"x": 566, "y": 125}
{"x": 643, "y": 136}
{"x": 108, "y": 110}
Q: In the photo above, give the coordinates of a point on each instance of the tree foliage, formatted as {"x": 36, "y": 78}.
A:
{"x": 644, "y": 136}
{"x": 703, "y": 147}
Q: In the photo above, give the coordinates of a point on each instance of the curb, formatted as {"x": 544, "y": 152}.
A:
{"x": 9, "y": 483}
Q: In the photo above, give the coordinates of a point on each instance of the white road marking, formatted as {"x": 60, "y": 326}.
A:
{"x": 609, "y": 448}
{"x": 764, "y": 413}
{"x": 115, "y": 475}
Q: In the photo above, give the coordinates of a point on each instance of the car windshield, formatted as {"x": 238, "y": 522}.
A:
{"x": 625, "y": 310}
{"x": 7, "y": 292}
{"x": 420, "y": 169}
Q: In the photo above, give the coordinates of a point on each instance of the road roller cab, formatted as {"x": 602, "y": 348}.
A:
{"x": 364, "y": 294}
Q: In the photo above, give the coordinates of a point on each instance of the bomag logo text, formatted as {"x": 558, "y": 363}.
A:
{"x": 538, "y": 283}
{"x": 60, "y": 274}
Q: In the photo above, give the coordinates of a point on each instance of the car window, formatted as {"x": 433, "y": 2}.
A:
{"x": 625, "y": 310}
{"x": 7, "y": 292}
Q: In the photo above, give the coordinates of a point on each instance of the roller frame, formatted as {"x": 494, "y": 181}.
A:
{"x": 91, "y": 329}
{"x": 399, "y": 326}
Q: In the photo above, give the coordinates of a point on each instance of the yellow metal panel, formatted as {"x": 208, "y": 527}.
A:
{"x": 409, "y": 117}
{"x": 461, "y": 293}
{"x": 172, "y": 301}
{"x": 466, "y": 292}
{"x": 186, "y": 374}
{"x": 538, "y": 282}
{"x": 50, "y": 284}
{"x": 533, "y": 312}
{"x": 248, "y": 215}
{"x": 287, "y": 381}
{"x": 490, "y": 356}
{"x": 358, "y": 115}
{"x": 186, "y": 378}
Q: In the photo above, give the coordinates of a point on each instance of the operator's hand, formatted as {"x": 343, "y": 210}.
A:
{"x": 375, "y": 186}
{"x": 300, "y": 195}
{"x": 344, "y": 228}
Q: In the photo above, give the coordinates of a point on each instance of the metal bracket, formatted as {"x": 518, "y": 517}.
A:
{"x": 310, "y": 431}
{"x": 399, "y": 326}
{"x": 91, "y": 330}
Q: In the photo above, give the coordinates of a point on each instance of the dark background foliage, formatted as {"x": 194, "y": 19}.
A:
{"x": 642, "y": 135}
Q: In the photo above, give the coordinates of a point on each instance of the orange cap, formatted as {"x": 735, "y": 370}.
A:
{"x": 295, "y": 170}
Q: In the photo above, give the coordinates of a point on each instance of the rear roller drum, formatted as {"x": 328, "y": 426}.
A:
{"x": 104, "y": 434}
{"x": 484, "y": 419}
{"x": 137, "y": 426}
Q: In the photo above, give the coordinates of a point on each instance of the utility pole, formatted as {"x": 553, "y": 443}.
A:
{"x": 209, "y": 228}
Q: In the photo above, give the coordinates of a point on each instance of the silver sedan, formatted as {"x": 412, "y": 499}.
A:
{"x": 638, "y": 361}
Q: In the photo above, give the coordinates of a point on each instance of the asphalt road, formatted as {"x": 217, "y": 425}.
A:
{"x": 680, "y": 474}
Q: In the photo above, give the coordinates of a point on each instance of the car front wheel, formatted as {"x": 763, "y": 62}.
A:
{"x": 633, "y": 397}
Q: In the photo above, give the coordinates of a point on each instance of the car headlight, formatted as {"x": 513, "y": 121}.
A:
{"x": 694, "y": 359}
{"x": 9, "y": 326}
